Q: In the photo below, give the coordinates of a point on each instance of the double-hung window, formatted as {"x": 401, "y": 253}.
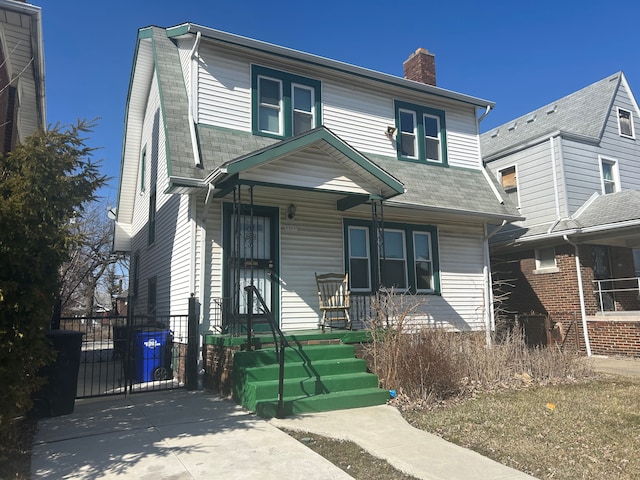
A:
{"x": 283, "y": 104}
{"x": 421, "y": 133}
{"x": 408, "y": 257}
{"x": 609, "y": 175}
{"x": 625, "y": 123}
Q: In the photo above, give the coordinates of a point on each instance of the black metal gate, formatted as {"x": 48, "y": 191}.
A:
{"x": 128, "y": 355}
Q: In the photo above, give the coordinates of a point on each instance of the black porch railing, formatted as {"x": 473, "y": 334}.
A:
{"x": 279, "y": 339}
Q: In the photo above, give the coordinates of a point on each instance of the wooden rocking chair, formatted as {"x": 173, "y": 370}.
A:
{"x": 334, "y": 298}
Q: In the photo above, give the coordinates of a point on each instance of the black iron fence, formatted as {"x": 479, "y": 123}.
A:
{"x": 127, "y": 355}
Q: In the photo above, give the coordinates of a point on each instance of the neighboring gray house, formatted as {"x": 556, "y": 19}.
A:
{"x": 22, "y": 92}
{"x": 573, "y": 169}
{"x": 249, "y": 162}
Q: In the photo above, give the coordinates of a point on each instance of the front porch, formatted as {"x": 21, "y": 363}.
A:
{"x": 320, "y": 371}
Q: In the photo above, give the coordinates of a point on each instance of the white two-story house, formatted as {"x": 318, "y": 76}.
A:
{"x": 573, "y": 169}
{"x": 249, "y": 163}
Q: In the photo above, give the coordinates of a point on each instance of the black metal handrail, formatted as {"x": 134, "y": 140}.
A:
{"x": 275, "y": 331}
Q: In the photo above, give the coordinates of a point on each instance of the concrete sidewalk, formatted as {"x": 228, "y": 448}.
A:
{"x": 196, "y": 435}
{"x": 383, "y": 432}
{"x": 169, "y": 435}
{"x": 626, "y": 366}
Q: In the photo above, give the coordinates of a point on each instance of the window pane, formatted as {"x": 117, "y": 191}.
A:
{"x": 609, "y": 187}
{"x": 393, "y": 245}
{"x": 431, "y": 127}
{"x": 269, "y": 120}
{"x": 423, "y": 276}
{"x": 407, "y": 145}
{"x": 394, "y": 274}
{"x": 359, "y": 273}
{"x": 358, "y": 242}
{"x": 607, "y": 171}
{"x": 301, "y": 122}
{"x": 421, "y": 246}
{"x": 269, "y": 92}
{"x": 302, "y": 99}
{"x": 432, "y": 147}
{"x": 546, "y": 257}
{"x": 407, "y": 123}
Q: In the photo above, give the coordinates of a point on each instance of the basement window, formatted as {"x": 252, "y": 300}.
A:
{"x": 546, "y": 260}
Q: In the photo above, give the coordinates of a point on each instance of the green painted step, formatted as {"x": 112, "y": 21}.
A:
{"x": 257, "y": 392}
{"x": 304, "y": 369}
{"x": 324, "y": 403}
{"x": 307, "y": 353}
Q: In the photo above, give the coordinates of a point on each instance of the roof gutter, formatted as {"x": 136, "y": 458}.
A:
{"x": 193, "y": 76}
{"x": 335, "y": 65}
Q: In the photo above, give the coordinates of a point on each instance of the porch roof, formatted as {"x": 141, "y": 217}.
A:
{"x": 365, "y": 178}
{"x": 612, "y": 219}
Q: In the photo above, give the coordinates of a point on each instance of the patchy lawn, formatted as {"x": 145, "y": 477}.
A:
{"x": 573, "y": 431}
{"x": 350, "y": 457}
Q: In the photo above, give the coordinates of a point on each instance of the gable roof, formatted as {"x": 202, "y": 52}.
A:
{"x": 582, "y": 114}
{"x": 331, "y": 145}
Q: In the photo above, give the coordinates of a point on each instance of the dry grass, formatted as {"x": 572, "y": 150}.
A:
{"x": 350, "y": 457}
{"x": 574, "y": 431}
{"x": 428, "y": 363}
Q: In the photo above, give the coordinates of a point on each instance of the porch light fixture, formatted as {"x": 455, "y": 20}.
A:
{"x": 390, "y": 132}
{"x": 291, "y": 212}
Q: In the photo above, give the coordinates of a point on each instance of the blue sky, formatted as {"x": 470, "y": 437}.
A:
{"x": 520, "y": 55}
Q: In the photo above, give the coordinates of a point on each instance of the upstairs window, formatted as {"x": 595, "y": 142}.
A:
{"x": 422, "y": 133}
{"x": 625, "y": 123}
{"x": 283, "y": 104}
{"x": 609, "y": 175}
{"x": 143, "y": 168}
{"x": 508, "y": 179}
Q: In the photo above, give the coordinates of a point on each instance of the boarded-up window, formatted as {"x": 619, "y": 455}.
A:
{"x": 508, "y": 178}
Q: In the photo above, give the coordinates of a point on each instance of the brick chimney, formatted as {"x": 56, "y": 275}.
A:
{"x": 421, "y": 67}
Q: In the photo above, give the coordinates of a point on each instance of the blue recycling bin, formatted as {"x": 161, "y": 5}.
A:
{"x": 152, "y": 357}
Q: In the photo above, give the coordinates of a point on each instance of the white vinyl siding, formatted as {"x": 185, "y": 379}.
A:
{"x": 317, "y": 235}
{"x": 357, "y": 115}
{"x": 320, "y": 172}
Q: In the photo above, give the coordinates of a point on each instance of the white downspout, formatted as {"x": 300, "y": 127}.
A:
{"x": 583, "y": 310}
{"x": 490, "y": 319}
{"x": 193, "y": 78}
{"x": 555, "y": 177}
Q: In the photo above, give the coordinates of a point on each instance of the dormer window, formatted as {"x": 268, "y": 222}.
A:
{"x": 625, "y": 123}
{"x": 421, "y": 134}
{"x": 283, "y": 104}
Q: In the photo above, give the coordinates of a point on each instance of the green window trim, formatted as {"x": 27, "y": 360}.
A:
{"x": 409, "y": 232}
{"x": 288, "y": 83}
{"x": 419, "y": 114}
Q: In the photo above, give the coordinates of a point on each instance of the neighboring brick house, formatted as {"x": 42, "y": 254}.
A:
{"x": 573, "y": 169}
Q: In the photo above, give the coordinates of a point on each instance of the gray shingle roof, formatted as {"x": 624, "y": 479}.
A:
{"x": 609, "y": 211}
{"x": 582, "y": 113}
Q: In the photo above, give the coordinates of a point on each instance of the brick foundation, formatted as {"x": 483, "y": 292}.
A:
{"x": 614, "y": 337}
